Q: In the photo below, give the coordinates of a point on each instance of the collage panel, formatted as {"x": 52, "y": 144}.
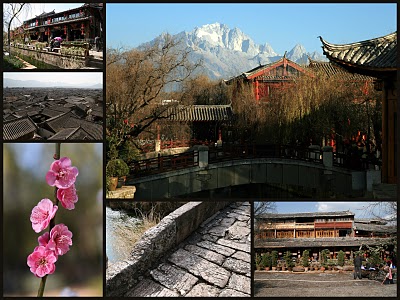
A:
{"x": 53, "y": 106}
{"x": 325, "y": 249}
{"x": 178, "y": 249}
{"x": 52, "y": 219}
{"x": 39, "y": 36}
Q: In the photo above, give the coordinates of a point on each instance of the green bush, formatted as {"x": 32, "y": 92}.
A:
{"x": 266, "y": 260}
{"x": 340, "y": 258}
{"x": 288, "y": 259}
{"x": 12, "y": 63}
{"x": 305, "y": 258}
{"x": 117, "y": 168}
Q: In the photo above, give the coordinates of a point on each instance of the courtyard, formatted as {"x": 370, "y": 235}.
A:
{"x": 317, "y": 284}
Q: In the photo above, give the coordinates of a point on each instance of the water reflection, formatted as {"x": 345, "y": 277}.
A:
{"x": 120, "y": 228}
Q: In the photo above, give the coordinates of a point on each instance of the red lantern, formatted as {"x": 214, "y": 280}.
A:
{"x": 65, "y": 29}
{"x": 37, "y": 22}
{"x": 82, "y": 29}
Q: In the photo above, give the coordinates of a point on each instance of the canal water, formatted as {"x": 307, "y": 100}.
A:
{"x": 38, "y": 64}
{"x": 120, "y": 227}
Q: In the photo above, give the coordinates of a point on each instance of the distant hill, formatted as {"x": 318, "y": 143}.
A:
{"x": 8, "y": 82}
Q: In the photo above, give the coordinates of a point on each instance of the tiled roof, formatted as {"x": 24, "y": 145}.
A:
{"x": 375, "y": 54}
{"x": 50, "y": 112}
{"x": 307, "y": 215}
{"x": 200, "y": 113}
{"x": 15, "y": 129}
{"x": 333, "y": 70}
{"x": 68, "y": 120}
{"x": 72, "y": 134}
{"x": 375, "y": 228}
{"x": 319, "y": 242}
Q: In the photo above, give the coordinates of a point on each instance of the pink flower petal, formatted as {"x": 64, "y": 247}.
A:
{"x": 61, "y": 173}
{"x": 60, "y": 239}
{"x": 41, "y": 261}
{"x": 42, "y": 214}
{"x": 67, "y": 197}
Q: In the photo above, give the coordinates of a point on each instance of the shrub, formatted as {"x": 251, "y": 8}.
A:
{"x": 305, "y": 257}
{"x": 117, "y": 168}
{"x": 341, "y": 258}
{"x": 266, "y": 260}
{"x": 274, "y": 258}
{"x": 288, "y": 259}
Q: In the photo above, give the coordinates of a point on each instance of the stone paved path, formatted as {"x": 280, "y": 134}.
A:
{"x": 213, "y": 262}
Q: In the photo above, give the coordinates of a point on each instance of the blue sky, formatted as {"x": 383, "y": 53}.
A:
{"x": 280, "y": 25}
{"x": 358, "y": 208}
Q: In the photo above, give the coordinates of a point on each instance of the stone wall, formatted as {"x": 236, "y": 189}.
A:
{"x": 155, "y": 242}
{"x": 61, "y": 61}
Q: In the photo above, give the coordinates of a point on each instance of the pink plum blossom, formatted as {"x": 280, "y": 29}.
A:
{"x": 60, "y": 239}
{"x": 42, "y": 214}
{"x": 68, "y": 197}
{"x": 61, "y": 173}
{"x": 44, "y": 239}
{"x": 41, "y": 261}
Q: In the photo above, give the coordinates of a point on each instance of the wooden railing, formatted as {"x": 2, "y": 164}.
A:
{"x": 164, "y": 164}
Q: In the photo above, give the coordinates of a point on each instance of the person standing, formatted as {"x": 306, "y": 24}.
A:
{"x": 357, "y": 266}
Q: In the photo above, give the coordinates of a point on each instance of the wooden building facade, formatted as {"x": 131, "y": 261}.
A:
{"x": 317, "y": 231}
{"x": 265, "y": 79}
{"x": 83, "y": 23}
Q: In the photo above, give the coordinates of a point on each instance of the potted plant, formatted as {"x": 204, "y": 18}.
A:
{"x": 341, "y": 257}
{"x": 288, "y": 260}
{"x": 305, "y": 261}
{"x": 274, "y": 260}
{"x": 117, "y": 168}
{"x": 258, "y": 262}
{"x": 266, "y": 261}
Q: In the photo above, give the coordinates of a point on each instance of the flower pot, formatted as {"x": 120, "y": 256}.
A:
{"x": 273, "y": 268}
{"x": 305, "y": 269}
{"x": 322, "y": 269}
{"x": 113, "y": 183}
{"x": 121, "y": 182}
{"x": 266, "y": 268}
{"x": 283, "y": 268}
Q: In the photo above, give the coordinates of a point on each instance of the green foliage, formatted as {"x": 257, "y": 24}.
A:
{"x": 340, "y": 257}
{"x": 117, "y": 168}
{"x": 274, "y": 258}
{"x": 128, "y": 151}
{"x": 266, "y": 260}
{"x": 39, "y": 46}
{"x": 288, "y": 259}
{"x": 324, "y": 255}
{"x": 11, "y": 63}
{"x": 305, "y": 258}
{"x": 73, "y": 51}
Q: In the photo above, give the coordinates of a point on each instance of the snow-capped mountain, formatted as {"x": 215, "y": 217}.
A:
{"x": 229, "y": 52}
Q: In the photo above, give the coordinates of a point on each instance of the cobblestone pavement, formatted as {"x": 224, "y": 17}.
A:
{"x": 334, "y": 284}
{"x": 213, "y": 262}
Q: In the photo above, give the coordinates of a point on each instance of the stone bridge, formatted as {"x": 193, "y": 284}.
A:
{"x": 196, "y": 256}
{"x": 318, "y": 173}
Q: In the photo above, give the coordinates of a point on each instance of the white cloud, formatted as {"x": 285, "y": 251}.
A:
{"x": 89, "y": 78}
{"x": 358, "y": 208}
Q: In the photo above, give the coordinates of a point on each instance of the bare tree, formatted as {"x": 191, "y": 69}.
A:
{"x": 382, "y": 210}
{"x": 136, "y": 83}
{"x": 264, "y": 207}
{"x": 11, "y": 12}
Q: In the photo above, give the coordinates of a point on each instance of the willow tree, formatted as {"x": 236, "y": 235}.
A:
{"x": 136, "y": 83}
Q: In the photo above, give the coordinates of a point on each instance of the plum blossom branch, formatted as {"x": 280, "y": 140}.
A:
{"x": 58, "y": 239}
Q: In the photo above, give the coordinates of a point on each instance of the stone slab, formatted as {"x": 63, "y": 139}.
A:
{"x": 242, "y": 256}
{"x": 174, "y": 278}
{"x": 237, "y": 231}
{"x": 240, "y": 283}
{"x": 232, "y": 293}
{"x": 203, "y": 290}
{"x": 198, "y": 266}
{"x": 234, "y": 245}
{"x": 207, "y": 254}
{"x": 217, "y": 248}
{"x": 149, "y": 288}
{"x": 236, "y": 265}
